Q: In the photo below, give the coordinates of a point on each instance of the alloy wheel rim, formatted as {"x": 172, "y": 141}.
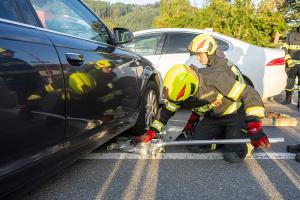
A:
{"x": 151, "y": 107}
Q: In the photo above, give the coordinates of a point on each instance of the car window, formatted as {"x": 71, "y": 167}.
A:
{"x": 178, "y": 42}
{"x": 8, "y": 10}
{"x": 70, "y": 17}
{"x": 145, "y": 45}
{"x": 222, "y": 44}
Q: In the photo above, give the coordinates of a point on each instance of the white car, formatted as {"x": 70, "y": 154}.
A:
{"x": 264, "y": 67}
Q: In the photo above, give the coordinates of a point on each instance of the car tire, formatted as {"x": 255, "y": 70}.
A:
{"x": 149, "y": 109}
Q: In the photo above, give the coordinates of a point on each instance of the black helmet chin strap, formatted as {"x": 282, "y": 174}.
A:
{"x": 210, "y": 58}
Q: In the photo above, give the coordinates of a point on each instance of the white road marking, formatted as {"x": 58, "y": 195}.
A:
{"x": 184, "y": 156}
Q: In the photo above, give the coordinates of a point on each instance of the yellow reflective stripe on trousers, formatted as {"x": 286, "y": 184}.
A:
{"x": 171, "y": 106}
{"x": 237, "y": 72}
{"x": 256, "y": 111}
{"x": 213, "y": 147}
{"x": 296, "y": 62}
{"x": 232, "y": 108}
{"x": 157, "y": 125}
{"x": 250, "y": 149}
{"x": 236, "y": 90}
{"x": 294, "y": 47}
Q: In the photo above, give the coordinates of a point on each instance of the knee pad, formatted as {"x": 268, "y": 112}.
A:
{"x": 240, "y": 151}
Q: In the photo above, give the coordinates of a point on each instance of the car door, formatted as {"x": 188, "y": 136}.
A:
{"x": 32, "y": 110}
{"x": 174, "y": 50}
{"x": 101, "y": 81}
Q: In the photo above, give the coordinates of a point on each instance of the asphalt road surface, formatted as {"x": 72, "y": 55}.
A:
{"x": 179, "y": 174}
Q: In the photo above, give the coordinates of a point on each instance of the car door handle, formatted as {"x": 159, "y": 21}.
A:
{"x": 75, "y": 59}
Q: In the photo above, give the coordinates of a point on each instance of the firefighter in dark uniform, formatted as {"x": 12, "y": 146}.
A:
{"x": 219, "y": 97}
{"x": 292, "y": 57}
{"x": 216, "y": 61}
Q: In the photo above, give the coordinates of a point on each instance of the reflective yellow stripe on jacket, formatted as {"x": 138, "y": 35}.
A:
{"x": 255, "y": 111}
{"x": 203, "y": 109}
{"x": 294, "y": 47}
{"x": 237, "y": 72}
{"x": 232, "y": 108}
{"x": 171, "y": 106}
{"x": 157, "y": 125}
{"x": 236, "y": 90}
{"x": 291, "y": 47}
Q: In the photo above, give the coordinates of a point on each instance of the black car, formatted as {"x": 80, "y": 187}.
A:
{"x": 67, "y": 86}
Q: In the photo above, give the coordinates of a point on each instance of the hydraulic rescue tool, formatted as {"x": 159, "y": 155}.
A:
{"x": 158, "y": 145}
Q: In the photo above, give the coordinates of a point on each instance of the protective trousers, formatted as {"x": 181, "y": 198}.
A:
{"x": 224, "y": 127}
{"x": 292, "y": 73}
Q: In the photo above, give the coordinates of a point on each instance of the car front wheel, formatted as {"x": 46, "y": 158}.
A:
{"x": 149, "y": 109}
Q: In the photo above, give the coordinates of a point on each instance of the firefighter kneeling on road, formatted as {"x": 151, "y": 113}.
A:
{"x": 225, "y": 104}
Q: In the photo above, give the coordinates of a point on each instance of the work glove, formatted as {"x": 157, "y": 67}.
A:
{"x": 290, "y": 63}
{"x": 146, "y": 137}
{"x": 257, "y": 136}
{"x": 189, "y": 128}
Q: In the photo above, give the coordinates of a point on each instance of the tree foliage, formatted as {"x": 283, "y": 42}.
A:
{"x": 131, "y": 16}
{"x": 241, "y": 19}
{"x": 291, "y": 11}
{"x": 175, "y": 13}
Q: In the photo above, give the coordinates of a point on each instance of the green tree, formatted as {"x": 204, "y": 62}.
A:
{"x": 138, "y": 19}
{"x": 240, "y": 19}
{"x": 175, "y": 13}
{"x": 291, "y": 11}
{"x": 133, "y": 17}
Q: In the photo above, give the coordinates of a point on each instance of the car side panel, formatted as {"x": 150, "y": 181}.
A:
{"x": 32, "y": 107}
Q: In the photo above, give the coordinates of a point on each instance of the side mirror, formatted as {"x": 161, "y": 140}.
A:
{"x": 123, "y": 35}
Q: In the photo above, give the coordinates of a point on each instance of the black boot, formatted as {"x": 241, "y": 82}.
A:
{"x": 288, "y": 98}
{"x": 297, "y": 158}
{"x": 293, "y": 149}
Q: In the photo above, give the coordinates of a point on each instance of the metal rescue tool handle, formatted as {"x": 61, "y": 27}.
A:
{"x": 158, "y": 145}
{"x": 203, "y": 142}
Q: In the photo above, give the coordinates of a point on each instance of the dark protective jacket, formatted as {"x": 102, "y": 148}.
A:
{"x": 292, "y": 46}
{"x": 218, "y": 94}
{"x": 219, "y": 62}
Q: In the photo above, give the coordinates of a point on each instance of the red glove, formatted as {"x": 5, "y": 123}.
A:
{"x": 254, "y": 126}
{"x": 257, "y": 136}
{"x": 189, "y": 128}
{"x": 146, "y": 137}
